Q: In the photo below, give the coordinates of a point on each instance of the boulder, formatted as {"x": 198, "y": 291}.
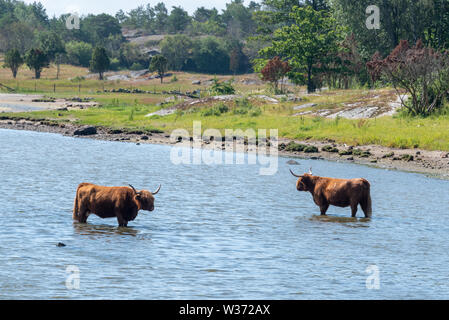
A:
{"x": 85, "y": 131}
{"x": 293, "y": 162}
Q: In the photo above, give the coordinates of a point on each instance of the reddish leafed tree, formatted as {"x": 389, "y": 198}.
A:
{"x": 275, "y": 70}
{"x": 421, "y": 71}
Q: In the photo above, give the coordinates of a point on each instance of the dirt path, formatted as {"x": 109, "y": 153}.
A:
{"x": 35, "y": 102}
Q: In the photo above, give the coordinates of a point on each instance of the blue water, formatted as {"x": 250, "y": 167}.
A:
{"x": 218, "y": 232}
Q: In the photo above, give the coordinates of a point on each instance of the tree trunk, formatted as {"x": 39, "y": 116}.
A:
{"x": 14, "y": 73}
{"x": 100, "y": 75}
{"x": 37, "y": 74}
{"x": 58, "y": 69}
{"x": 310, "y": 86}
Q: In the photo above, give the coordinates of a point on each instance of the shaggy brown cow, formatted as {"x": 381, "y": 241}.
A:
{"x": 109, "y": 202}
{"x": 336, "y": 192}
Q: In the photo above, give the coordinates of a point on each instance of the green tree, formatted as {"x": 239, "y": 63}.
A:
{"x": 79, "y": 53}
{"x": 238, "y": 19}
{"x": 51, "y": 43}
{"x": 210, "y": 55}
{"x": 161, "y": 16}
{"x": 177, "y": 49}
{"x": 159, "y": 64}
{"x": 178, "y": 20}
{"x": 130, "y": 54}
{"x": 100, "y": 61}
{"x": 37, "y": 60}
{"x": 305, "y": 43}
{"x": 13, "y": 60}
{"x": 97, "y": 28}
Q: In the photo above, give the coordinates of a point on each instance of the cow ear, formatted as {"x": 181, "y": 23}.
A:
{"x": 138, "y": 196}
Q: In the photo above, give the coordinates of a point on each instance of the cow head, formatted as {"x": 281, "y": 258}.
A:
{"x": 144, "y": 198}
{"x": 305, "y": 182}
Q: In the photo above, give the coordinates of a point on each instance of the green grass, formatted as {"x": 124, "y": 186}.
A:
{"x": 127, "y": 111}
{"x": 399, "y": 132}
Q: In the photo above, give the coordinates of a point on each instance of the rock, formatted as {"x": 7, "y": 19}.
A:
{"x": 304, "y": 106}
{"x": 196, "y": 82}
{"x": 350, "y": 159}
{"x": 139, "y": 73}
{"x": 248, "y": 81}
{"x": 85, "y": 131}
{"x": 60, "y": 244}
{"x": 388, "y": 155}
{"x": 293, "y": 163}
{"x": 407, "y": 157}
{"x": 118, "y": 77}
{"x": 144, "y": 138}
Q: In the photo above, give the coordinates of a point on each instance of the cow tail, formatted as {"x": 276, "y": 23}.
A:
{"x": 75, "y": 205}
{"x": 369, "y": 208}
{"x": 367, "y": 205}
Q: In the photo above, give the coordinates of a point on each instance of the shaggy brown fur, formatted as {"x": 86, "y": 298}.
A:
{"x": 337, "y": 192}
{"x": 109, "y": 202}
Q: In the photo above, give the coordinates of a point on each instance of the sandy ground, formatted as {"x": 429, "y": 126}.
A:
{"x": 432, "y": 163}
{"x": 27, "y": 102}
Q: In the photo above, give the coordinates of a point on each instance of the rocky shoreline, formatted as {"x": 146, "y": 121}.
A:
{"x": 432, "y": 163}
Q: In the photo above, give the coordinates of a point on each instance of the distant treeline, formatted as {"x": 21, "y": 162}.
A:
{"x": 24, "y": 27}
{"x": 238, "y": 39}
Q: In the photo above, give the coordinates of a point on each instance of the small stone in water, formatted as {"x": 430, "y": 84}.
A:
{"x": 60, "y": 244}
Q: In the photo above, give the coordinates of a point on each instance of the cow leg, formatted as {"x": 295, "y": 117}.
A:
{"x": 354, "y": 209}
{"x": 83, "y": 214}
{"x": 121, "y": 222}
{"x": 324, "y": 208}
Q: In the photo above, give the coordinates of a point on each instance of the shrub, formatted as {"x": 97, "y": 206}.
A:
{"x": 345, "y": 152}
{"x": 216, "y": 110}
{"x": 293, "y": 146}
{"x": 330, "y": 149}
{"x": 421, "y": 71}
{"x": 311, "y": 149}
{"x": 136, "y": 66}
{"x": 275, "y": 70}
{"x": 221, "y": 88}
{"x": 115, "y": 64}
{"x": 361, "y": 153}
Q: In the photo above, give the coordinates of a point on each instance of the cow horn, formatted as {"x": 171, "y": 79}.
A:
{"x": 135, "y": 191}
{"x": 158, "y": 189}
{"x": 294, "y": 174}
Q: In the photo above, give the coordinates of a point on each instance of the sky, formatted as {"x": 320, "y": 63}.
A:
{"x": 58, "y": 7}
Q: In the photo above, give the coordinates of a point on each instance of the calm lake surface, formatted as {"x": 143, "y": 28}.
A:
{"x": 218, "y": 232}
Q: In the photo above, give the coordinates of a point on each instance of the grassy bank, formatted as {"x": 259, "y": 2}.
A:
{"x": 427, "y": 133}
{"x": 120, "y": 110}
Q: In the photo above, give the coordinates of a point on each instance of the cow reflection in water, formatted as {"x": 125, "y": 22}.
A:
{"x": 124, "y": 203}
{"x": 336, "y": 192}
